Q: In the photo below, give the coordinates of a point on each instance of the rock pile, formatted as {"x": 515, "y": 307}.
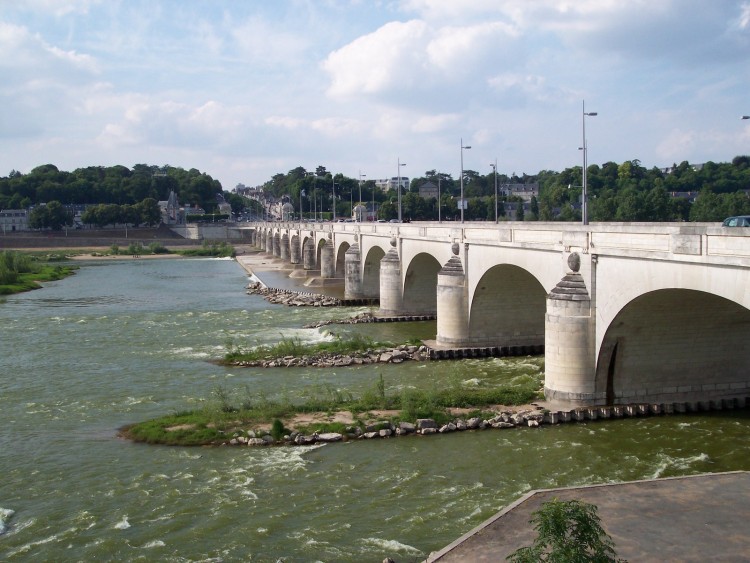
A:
{"x": 291, "y": 298}
{"x": 396, "y": 355}
{"x": 387, "y": 429}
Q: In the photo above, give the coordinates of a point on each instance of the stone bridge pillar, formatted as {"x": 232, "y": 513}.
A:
{"x": 391, "y": 296}
{"x": 269, "y": 242}
{"x": 276, "y": 245}
{"x": 294, "y": 251}
{"x": 308, "y": 253}
{"x": 452, "y": 303}
{"x": 353, "y": 273}
{"x": 284, "y": 247}
{"x": 327, "y": 259}
{"x": 569, "y": 341}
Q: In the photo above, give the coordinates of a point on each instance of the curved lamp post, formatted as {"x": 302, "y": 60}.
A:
{"x": 584, "y": 148}
{"x": 463, "y": 202}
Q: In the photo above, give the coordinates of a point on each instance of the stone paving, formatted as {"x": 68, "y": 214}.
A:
{"x": 696, "y": 518}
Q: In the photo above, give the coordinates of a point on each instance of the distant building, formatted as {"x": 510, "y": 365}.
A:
{"x": 12, "y": 220}
{"x": 524, "y": 191}
{"x": 386, "y": 184}
{"x": 428, "y": 190}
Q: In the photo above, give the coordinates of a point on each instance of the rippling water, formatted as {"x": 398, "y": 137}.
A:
{"x": 125, "y": 341}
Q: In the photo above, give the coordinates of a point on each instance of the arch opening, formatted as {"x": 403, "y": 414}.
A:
{"x": 420, "y": 285}
{"x": 675, "y": 345}
{"x": 371, "y": 272}
{"x": 508, "y": 308}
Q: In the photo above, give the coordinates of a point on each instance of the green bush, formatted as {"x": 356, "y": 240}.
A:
{"x": 568, "y": 531}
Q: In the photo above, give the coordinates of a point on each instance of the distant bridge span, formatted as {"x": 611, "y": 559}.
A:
{"x": 626, "y": 312}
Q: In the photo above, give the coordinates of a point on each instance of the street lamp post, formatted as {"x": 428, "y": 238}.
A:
{"x": 359, "y": 203}
{"x": 398, "y": 187}
{"x": 439, "y": 178}
{"x": 494, "y": 168}
{"x": 334, "y": 196}
{"x": 463, "y": 202}
{"x": 584, "y": 148}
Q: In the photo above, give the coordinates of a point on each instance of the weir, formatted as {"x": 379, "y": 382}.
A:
{"x": 624, "y": 312}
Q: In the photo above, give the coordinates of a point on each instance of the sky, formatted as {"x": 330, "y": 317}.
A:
{"x": 245, "y": 89}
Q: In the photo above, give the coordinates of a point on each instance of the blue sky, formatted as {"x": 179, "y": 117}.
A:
{"x": 245, "y": 89}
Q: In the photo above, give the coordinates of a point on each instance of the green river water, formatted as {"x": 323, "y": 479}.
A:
{"x": 125, "y": 341}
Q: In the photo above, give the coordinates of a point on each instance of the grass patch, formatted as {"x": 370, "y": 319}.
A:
{"x": 215, "y": 250}
{"x": 227, "y": 413}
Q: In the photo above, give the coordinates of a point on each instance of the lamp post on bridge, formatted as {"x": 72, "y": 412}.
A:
{"x": 359, "y": 203}
{"x": 333, "y": 183}
{"x": 463, "y": 201}
{"x": 494, "y": 168}
{"x": 584, "y": 148}
{"x": 398, "y": 187}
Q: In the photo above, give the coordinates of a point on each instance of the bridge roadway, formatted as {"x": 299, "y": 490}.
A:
{"x": 625, "y": 312}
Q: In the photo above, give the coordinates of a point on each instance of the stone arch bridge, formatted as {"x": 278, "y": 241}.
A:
{"x": 625, "y": 312}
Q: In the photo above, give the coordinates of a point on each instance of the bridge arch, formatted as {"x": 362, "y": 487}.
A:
{"x": 507, "y": 308}
{"x": 671, "y": 345}
{"x": 420, "y": 285}
{"x": 371, "y": 272}
{"x": 340, "y": 260}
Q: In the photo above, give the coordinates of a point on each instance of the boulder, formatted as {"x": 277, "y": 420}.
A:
{"x": 406, "y": 427}
{"x": 424, "y": 423}
{"x": 330, "y": 437}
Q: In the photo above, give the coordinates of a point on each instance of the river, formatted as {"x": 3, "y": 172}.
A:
{"x": 124, "y": 341}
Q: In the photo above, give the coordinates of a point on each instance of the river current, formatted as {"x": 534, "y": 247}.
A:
{"x": 124, "y": 341}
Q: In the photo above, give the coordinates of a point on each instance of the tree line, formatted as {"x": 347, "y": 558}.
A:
{"x": 616, "y": 192}
{"x": 117, "y": 185}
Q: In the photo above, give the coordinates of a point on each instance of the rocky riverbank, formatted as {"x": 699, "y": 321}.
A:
{"x": 500, "y": 419}
{"x": 291, "y": 298}
{"x": 395, "y": 355}
{"x": 504, "y": 419}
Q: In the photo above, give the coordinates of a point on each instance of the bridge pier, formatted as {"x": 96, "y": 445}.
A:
{"x": 391, "y": 296}
{"x": 294, "y": 251}
{"x": 284, "y": 247}
{"x": 569, "y": 341}
{"x": 269, "y": 242}
{"x": 327, "y": 259}
{"x": 353, "y": 275}
{"x": 308, "y": 253}
{"x": 452, "y": 303}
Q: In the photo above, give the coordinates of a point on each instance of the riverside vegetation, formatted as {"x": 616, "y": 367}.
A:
{"x": 22, "y": 272}
{"x": 241, "y": 413}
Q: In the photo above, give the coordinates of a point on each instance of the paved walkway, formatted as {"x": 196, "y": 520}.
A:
{"x": 698, "y": 518}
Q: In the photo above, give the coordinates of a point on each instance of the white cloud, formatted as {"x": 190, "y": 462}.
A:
{"x": 379, "y": 61}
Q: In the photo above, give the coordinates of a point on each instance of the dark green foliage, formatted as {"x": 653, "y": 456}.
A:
{"x": 140, "y": 187}
{"x": 277, "y": 429}
{"x": 567, "y": 532}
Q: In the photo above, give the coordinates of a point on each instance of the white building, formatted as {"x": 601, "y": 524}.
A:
{"x": 12, "y": 220}
{"x": 386, "y": 184}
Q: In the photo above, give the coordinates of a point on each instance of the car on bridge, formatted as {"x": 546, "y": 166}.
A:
{"x": 738, "y": 221}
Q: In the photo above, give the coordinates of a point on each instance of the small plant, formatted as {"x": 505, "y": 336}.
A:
{"x": 115, "y": 248}
{"x": 568, "y": 531}
{"x": 277, "y": 429}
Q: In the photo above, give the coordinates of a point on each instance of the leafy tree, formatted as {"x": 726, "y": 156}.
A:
{"x": 52, "y": 216}
{"x": 567, "y": 532}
